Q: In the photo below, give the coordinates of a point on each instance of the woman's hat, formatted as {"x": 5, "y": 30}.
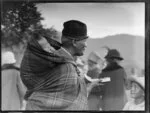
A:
{"x": 75, "y": 30}
{"x": 8, "y": 58}
{"x": 94, "y": 57}
{"x": 139, "y": 80}
{"x": 113, "y": 54}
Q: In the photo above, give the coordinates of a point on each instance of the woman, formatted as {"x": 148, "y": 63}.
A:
{"x": 113, "y": 92}
{"x": 95, "y": 65}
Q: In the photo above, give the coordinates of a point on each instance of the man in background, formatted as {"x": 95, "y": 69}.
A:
{"x": 95, "y": 66}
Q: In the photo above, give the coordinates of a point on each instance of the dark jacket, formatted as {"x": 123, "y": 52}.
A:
{"x": 113, "y": 92}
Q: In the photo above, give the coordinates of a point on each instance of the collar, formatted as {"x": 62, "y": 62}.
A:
{"x": 68, "y": 54}
{"x": 64, "y": 53}
{"x": 112, "y": 67}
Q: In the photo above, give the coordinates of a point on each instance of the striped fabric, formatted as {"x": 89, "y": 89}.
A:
{"x": 52, "y": 80}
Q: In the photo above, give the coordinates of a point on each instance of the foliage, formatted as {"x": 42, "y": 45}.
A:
{"x": 19, "y": 15}
{"x": 18, "y": 20}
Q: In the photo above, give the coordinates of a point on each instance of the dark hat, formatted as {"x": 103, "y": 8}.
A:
{"x": 113, "y": 54}
{"x": 75, "y": 30}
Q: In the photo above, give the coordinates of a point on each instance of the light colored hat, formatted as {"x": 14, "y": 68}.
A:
{"x": 94, "y": 56}
{"x": 8, "y": 58}
{"x": 139, "y": 80}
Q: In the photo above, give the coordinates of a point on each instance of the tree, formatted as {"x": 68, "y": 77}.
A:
{"x": 17, "y": 21}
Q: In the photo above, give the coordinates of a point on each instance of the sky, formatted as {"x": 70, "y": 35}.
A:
{"x": 102, "y": 19}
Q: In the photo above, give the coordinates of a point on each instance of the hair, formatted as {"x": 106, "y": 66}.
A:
{"x": 110, "y": 60}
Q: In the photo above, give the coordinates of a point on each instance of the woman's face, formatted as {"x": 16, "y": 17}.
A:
{"x": 91, "y": 65}
{"x": 136, "y": 90}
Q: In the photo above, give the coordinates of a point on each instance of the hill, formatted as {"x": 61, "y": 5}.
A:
{"x": 132, "y": 48}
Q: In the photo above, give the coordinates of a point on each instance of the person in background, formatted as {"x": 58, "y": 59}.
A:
{"x": 93, "y": 68}
{"x": 52, "y": 78}
{"x": 95, "y": 65}
{"x": 13, "y": 90}
{"x": 113, "y": 92}
{"x": 137, "y": 92}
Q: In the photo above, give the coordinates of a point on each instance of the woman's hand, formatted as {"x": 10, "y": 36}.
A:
{"x": 95, "y": 82}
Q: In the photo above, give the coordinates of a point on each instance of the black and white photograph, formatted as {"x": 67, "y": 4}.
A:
{"x": 74, "y": 56}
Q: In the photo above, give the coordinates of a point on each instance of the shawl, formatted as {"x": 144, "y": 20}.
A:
{"x": 52, "y": 79}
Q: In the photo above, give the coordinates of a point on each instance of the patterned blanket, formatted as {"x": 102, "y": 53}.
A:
{"x": 52, "y": 80}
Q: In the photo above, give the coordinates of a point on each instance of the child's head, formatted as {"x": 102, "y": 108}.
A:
{"x": 137, "y": 87}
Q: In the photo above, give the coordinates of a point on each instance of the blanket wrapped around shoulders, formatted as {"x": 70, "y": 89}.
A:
{"x": 52, "y": 80}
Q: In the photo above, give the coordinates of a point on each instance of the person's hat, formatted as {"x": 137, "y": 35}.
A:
{"x": 94, "y": 57}
{"x": 139, "y": 80}
{"x": 8, "y": 58}
{"x": 113, "y": 54}
{"x": 75, "y": 30}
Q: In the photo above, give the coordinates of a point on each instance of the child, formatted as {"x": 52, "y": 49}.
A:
{"x": 137, "y": 93}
